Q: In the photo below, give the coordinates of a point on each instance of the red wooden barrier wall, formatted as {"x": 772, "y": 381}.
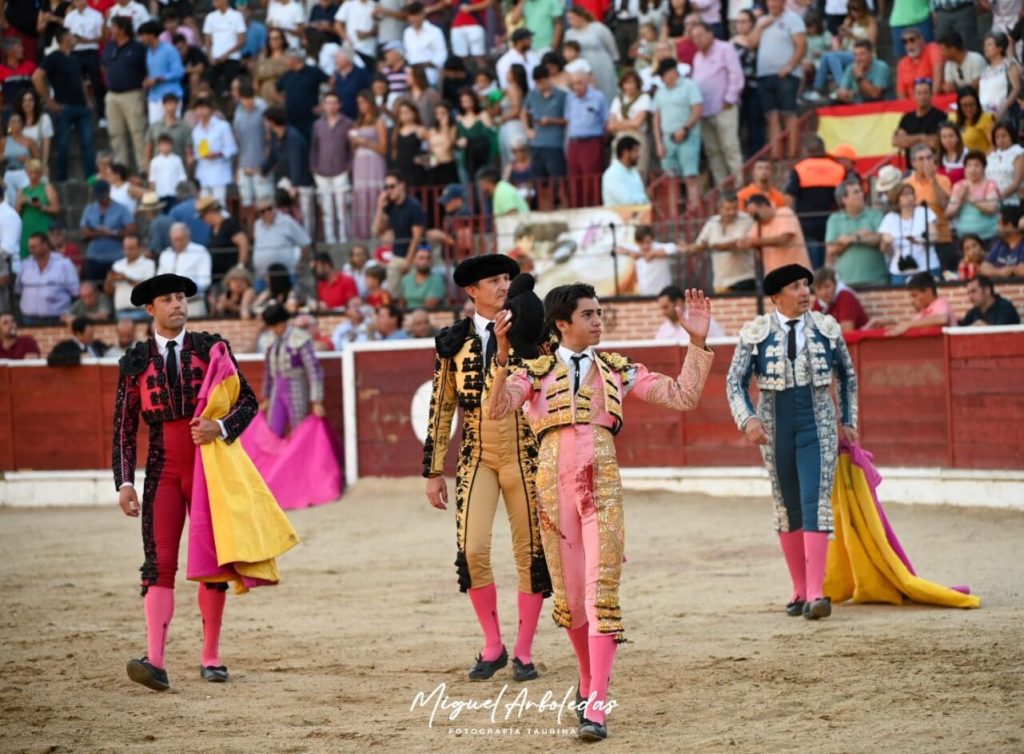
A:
{"x": 954, "y": 400}
{"x": 62, "y": 418}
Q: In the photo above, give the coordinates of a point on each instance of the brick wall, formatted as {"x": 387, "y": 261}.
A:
{"x": 628, "y": 319}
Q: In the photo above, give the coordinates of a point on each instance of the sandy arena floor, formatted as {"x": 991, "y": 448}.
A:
{"x": 369, "y": 615}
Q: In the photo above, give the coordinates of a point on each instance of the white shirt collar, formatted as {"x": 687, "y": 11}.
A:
{"x": 481, "y": 322}
{"x": 783, "y": 319}
{"x": 566, "y": 354}
{"x": 161, "y": 341}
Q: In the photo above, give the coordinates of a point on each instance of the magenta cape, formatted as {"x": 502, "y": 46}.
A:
{"x": 301, "y": 469}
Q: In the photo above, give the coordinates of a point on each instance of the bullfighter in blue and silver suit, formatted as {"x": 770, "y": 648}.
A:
{"x": 793, "y": 355}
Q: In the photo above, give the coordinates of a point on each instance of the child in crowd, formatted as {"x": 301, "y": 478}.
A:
{"x": 973, "y": 251}
{"x": 376, "y": 294}
{"x": 166, "y": 170}
{"x": 643, "y": 48}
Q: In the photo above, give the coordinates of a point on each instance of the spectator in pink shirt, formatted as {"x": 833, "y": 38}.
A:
{"x": 719, "y": 76}
{"x": 930, "y": 310}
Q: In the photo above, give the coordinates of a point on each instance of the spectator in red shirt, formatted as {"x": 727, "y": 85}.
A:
{"x": 686, "y": 49}
{"x": 922, "y": 61}
{"x": 15, "y": 71}
{"x": 333, "y": 288}
{"x": 12, "y": 345}
{"x": 834, "y": 298}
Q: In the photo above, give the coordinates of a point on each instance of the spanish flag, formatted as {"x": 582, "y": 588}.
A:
{"x": 869, "y": 127}
{"x": 236, "y": 528}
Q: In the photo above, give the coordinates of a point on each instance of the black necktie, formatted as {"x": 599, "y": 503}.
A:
{"x": 791, "y": 339}
{"x": 576, "y": 371}
{"x": 172, "y": 364}
{"x": 491, "y": 348}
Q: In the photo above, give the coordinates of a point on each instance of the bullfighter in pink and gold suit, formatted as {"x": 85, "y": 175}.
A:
{"x": 574, "y": 403}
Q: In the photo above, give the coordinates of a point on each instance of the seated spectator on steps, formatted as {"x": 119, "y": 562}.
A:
{"x": 989, "y": 308}
{"x": 12, "y": 345}
{"x": 669, "y": 300}
{"x": 91, "y": 304}
{"x": 47, "y": 284}
{"x": 125, "y": 332}
{"x": 418, "y": 324}
{"x": 923, "y": 61}
{"x": 421, "y": 286}
{"x": 838, "y": 300}
{"x": 334, "y": 289}
{"x": 1006, "y": 256}
{"x": 83, "y": 337}
{"x": 866, "y": 79}
{"x": 929, "y": 309}
{"x": 237, "y": 295}
{"x": 388, "y": 323}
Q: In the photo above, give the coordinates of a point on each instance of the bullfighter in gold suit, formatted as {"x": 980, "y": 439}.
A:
{"x": 495, "y": 455}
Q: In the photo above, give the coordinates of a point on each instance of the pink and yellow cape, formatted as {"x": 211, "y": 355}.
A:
{"x": 236, "y": 528}
{"x": 866, "y": 562}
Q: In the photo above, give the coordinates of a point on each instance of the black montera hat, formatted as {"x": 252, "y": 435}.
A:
{"x": 779, "y": 278}
{"x": 147, "y": 290}
{"x": 527, "y": 317}
{"x": 484, "y": 266}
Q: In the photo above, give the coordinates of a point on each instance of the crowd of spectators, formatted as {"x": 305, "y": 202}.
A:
{"x": 318, "y": 154}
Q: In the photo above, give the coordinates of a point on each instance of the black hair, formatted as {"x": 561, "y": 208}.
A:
{"x": 276, "y": 115}
{"x": 561, "y": 302}
{"x": 396, "y": 313}
{"x": 952, "y": 39}
{"x": 1009, "y": 214}
{"x": 323, "y": 256}
{"x": 643, "y": 231}
{"x": 986, "y": 282}
{"x": 279, "y": 280}
{"x": 674, "y": 293}
{"x": 625, "y": 144}
{"x": 922, "y": 281}
{"x": 124, "y": 23}
{"x": 78, "y": 325}
{"x": 758, "y": 199}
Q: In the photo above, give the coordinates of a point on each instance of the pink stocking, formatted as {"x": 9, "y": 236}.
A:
{"x": 530, "y": 606}
{"x": 159, "y": 607}
{"x": 211, "y": 607}
{"x": 602, "y": 655}
{"x": 580, "y": 644}
{"x": 793, "y": 548}
{"x": 485, "y": 602}
{"x": 816, "y": 547}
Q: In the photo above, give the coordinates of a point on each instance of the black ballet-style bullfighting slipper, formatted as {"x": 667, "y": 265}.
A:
{"x": 523, "y": 671}
{"x": 147, "y": 674}
{"x": 484, "y": 669}
{"x": 213, "y": 673}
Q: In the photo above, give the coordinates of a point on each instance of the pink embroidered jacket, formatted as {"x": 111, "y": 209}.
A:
{"x": 545, "y": 386}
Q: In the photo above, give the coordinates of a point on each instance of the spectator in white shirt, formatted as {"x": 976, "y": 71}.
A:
{"x": 670, "y": 299}
{"x": 653, "y": 265}
{"x": 10, "y": 249}
{"x": 135, "y": 11}
{"x": 289, "y": 17}
{"x": 213, "y": 144}
{"x": 86, "y": 24}
{"x": 356, "y": 23}
{"x": 125, "y": 274}
{"x": 519, "y": 52}
{"x": 188, "y": 260}
{"x": 224, "y": 35}
{"x": 423, "y": 42}
{"x": 166, "y": 170}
